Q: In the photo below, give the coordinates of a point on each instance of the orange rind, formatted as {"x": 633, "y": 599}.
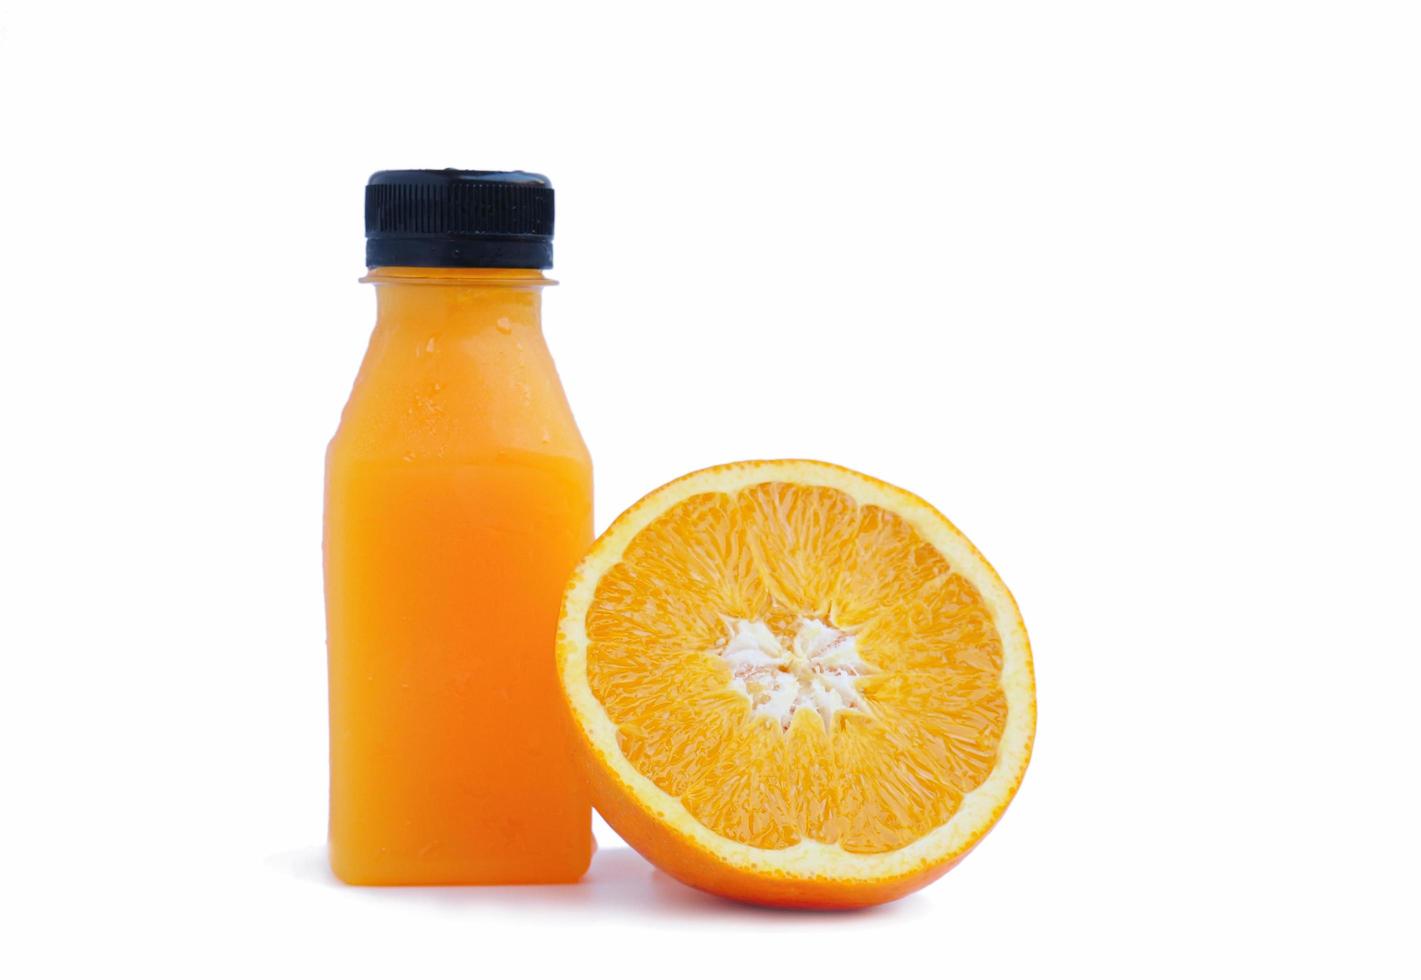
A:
{"x": 795, "y": 685}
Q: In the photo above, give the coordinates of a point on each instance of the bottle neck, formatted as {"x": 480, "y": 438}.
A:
{"x": 457, "y": 369}
{"x": 458, "y": 300}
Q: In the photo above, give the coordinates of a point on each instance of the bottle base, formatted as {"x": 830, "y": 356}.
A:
{"x": 377, "y": 874}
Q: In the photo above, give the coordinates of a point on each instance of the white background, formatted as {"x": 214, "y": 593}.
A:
{"x": 1128, "y": 289}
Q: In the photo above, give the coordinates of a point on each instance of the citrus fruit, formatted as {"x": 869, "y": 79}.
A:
{"x": 795, "y": 684}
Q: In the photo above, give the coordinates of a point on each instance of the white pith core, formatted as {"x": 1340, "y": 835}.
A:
{"x": 818, "y": 670}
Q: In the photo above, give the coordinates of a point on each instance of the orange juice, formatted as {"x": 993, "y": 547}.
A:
{"x": 458, "y": 500}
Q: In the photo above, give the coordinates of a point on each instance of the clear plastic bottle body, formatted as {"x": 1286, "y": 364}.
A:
{"x": 458, "y": 500}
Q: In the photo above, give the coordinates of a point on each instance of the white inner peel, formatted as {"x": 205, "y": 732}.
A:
{"x": 818, "y": 670}
{"x": 810, "y": 858}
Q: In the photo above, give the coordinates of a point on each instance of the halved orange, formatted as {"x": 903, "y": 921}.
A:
{"x": 795, "y": 684}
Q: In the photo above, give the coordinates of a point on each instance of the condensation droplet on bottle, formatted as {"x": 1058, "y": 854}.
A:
{"x": 503, "y": 325}
{"x": 547, "y": 436}
{"x": 430, "y": 345}
{"x": 408, "y": 457}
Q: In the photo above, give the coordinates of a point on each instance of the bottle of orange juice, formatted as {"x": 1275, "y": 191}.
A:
{"x": 458, "y": 500}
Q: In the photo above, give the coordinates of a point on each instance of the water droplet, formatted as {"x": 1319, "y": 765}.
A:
{"x": 503, "y": 325}
{"x": 408, "y": 457}
{"x": 547, "y": 436}
{"x": 430, "y": 345}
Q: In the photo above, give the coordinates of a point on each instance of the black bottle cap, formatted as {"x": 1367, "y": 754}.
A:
{"x": 466, "y": 219}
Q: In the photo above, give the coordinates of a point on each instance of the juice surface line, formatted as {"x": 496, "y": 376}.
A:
{"x": 458, "y": 500}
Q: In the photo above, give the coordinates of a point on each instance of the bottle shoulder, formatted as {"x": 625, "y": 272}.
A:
{"x": 458, "y": 389}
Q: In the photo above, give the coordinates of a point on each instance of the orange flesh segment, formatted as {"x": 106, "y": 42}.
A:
{"x": 781, "y": 554}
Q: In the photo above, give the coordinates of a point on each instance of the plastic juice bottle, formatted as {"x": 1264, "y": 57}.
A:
{"x": 458, "y": 500}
